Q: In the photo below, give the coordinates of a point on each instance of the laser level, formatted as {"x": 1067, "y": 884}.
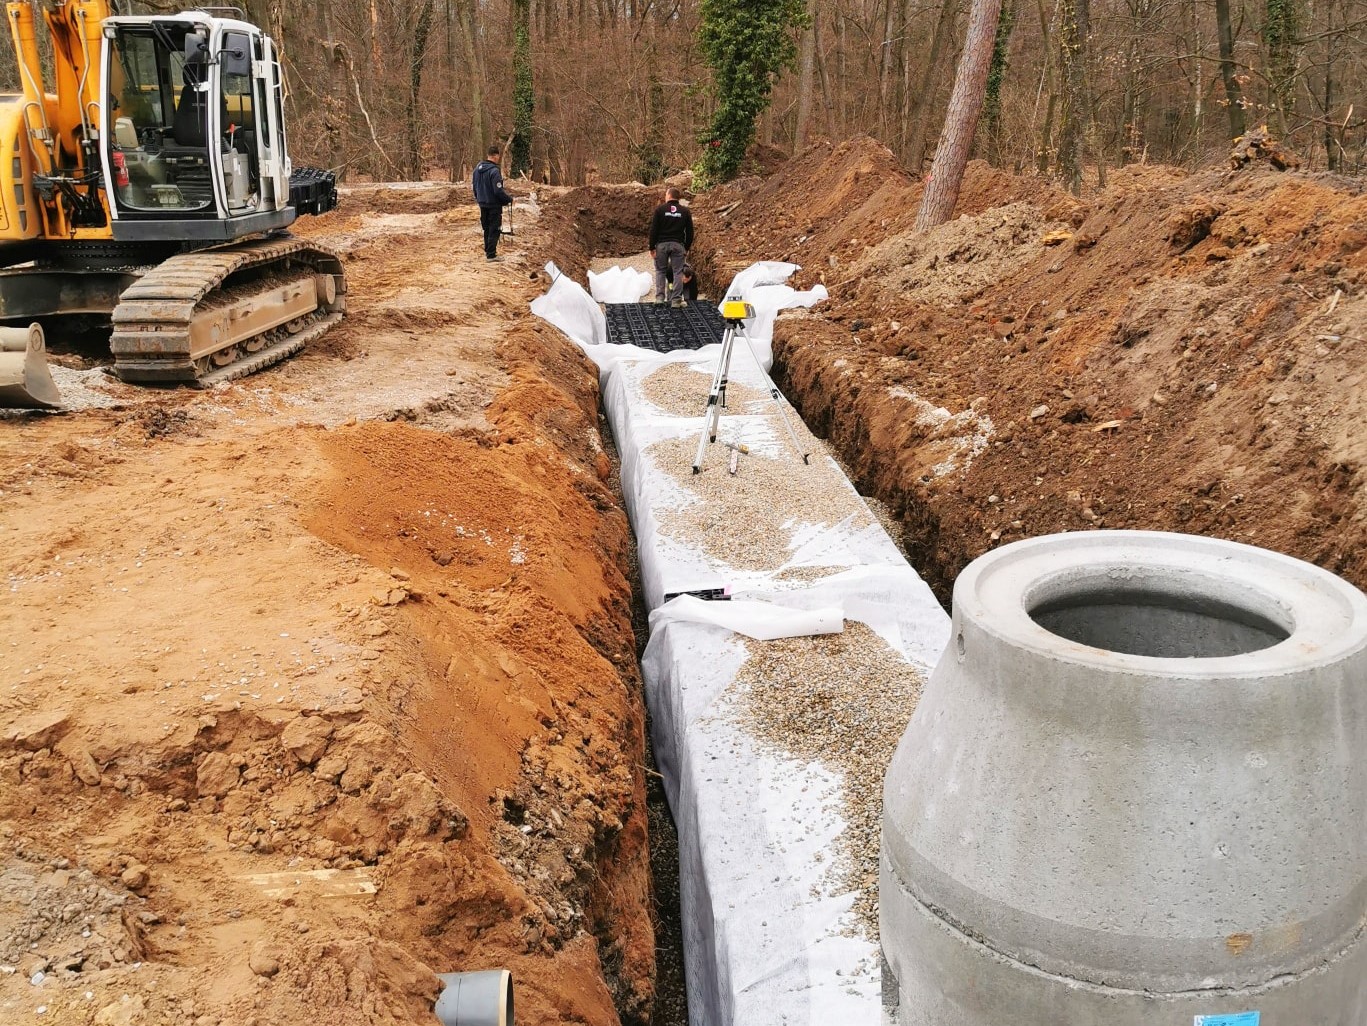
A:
{"x": 735, "y": 312}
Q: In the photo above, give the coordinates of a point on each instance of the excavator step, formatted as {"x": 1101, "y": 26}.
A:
{"x": 663, "y": 328}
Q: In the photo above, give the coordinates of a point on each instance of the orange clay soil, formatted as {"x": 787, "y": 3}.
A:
{"x": 1176, "y": 351}
{"x": 319, "y": 684}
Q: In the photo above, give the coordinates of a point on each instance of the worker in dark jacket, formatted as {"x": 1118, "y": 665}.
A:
{"x": 489, "y": 194}
{"x": 671, "y": 237}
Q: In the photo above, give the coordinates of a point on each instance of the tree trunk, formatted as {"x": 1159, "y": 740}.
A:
{"x": 805, "y": 75}
{"x": 422, "y": 31}
{"x": 474, "y": 61}
{"x": 887, "y": 113}
{"x": 1073, "y": 73}
{"x": 335, "y": 113}
{"x": 523, "y": 96}
{"x": 1331, "y": 156}
{"x": 1044, "y": 149}
{"x": 1198, "y": 112}
{"x": 961, "y": 120}
{"x": 827, "y": 103}
{"x": 451, "y": 97}
{"x": 1233, "y": 94}
{"x": 900, "y": 73}
{"x": 1282, "y": 31}
{"x": 920, "y": 108}
{"x": 996, "y": 75}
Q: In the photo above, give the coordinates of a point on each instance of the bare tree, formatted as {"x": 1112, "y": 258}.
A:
{"x": 1073, "y": 73}
{"x": 922, "y": 98}
{"x": 961, "y": 121}
{"x": 1234, "y": 100}
{"x": 806, "y": 69}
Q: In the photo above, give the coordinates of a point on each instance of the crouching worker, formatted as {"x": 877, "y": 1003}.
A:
{"x": 689, "y": 294}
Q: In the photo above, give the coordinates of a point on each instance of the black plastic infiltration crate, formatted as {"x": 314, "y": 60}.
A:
{"x": 662, "y": 328}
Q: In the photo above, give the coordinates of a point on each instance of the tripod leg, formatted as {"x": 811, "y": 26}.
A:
{"x": 728, "y": 346}
{"x": 780, "y": 401}
{"x": 712, "y": 414}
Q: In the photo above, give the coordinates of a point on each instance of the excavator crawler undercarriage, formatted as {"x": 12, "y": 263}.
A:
{"x": 212, "y": 315}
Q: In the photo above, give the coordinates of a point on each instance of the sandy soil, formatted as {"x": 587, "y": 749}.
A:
{"x": 322, "y": 682}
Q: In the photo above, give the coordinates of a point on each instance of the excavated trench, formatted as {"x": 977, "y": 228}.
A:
{"x": 1046, "y": 364}
{"x": 592, "y": 229}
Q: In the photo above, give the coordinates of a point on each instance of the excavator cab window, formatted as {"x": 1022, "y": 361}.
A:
{"x": 167, "y": 155}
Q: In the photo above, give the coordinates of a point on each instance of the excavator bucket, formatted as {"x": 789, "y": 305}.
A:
{"x": 24, "y": 378}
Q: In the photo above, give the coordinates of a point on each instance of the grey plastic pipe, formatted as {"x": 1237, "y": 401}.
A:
{"x": 476, "y": 999}
{"x": 1134, "y": 793}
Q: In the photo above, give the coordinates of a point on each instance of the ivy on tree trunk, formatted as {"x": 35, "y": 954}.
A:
{"x": 747, "y": 43}
{"x": 996, "y": 75}
{"x": 523, "y": 101}
{"x": 1281, "y": 32}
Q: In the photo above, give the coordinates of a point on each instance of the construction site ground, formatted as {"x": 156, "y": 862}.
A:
{"x": 324, "y": 681}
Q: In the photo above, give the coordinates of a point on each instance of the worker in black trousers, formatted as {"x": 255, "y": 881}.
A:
{"x": 491, "y": 197}
{"x": 671, "y": 237}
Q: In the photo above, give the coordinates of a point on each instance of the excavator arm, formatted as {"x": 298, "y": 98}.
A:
{"x": 61, "y": 126}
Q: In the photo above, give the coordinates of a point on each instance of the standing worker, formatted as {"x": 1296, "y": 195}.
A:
{"x": 671, "y": 237}
{"x": 491, "y": 197}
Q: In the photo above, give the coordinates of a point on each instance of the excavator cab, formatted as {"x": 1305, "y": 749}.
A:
{"x": 148, "y": 181}
{"x": 194, "y": 129}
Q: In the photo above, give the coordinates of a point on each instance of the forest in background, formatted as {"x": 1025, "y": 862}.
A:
{"x": 407, "y": 89}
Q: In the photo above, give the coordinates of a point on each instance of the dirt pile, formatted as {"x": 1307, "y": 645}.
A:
{"x": 1175, "y": 352}
{"x": 964, "y": 258}
{"x": 320, "y": 683}
{"x": 596, "y": 221}
{"x": 406, "y": 197}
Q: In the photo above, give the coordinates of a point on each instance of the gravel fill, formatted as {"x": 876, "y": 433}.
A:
{"x": 680, "y": 391}
{"x": 85, "y": 390}
{"x": 841, "y": 700}
{"x": 748, "y": 520}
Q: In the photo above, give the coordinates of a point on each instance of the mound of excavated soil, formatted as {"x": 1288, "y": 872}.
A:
{"x": 597, "y": 221}
{"x": 404, "y": 197}
{"x": 1183, "y": 352}
{"x": 962, "y": 258}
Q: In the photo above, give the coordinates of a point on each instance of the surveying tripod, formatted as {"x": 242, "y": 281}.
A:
{"x": 735, "y": 313}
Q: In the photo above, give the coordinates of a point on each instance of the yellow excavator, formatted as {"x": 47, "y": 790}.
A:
{"x": 151, "y": 185}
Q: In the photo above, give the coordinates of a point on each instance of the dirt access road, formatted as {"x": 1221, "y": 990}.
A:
{"x": 321, "y": 682}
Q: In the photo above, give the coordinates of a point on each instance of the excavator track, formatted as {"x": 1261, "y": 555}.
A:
{"x": 212, "y": 315}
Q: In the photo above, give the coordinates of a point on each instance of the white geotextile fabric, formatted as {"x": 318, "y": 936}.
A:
{"x": 571, "y": 309}
{"x": 619, "y": 285}
{"x": 575, "y": 311}
{"x": 762, "y": 621}
{"x": 768, "y": 937}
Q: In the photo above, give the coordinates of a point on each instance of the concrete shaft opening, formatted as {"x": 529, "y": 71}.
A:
{"x": 1159, "y": 620}
{"x": 1134, "y": 792}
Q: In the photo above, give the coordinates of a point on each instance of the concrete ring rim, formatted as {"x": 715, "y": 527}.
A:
{"x": 1324, "y": 615}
